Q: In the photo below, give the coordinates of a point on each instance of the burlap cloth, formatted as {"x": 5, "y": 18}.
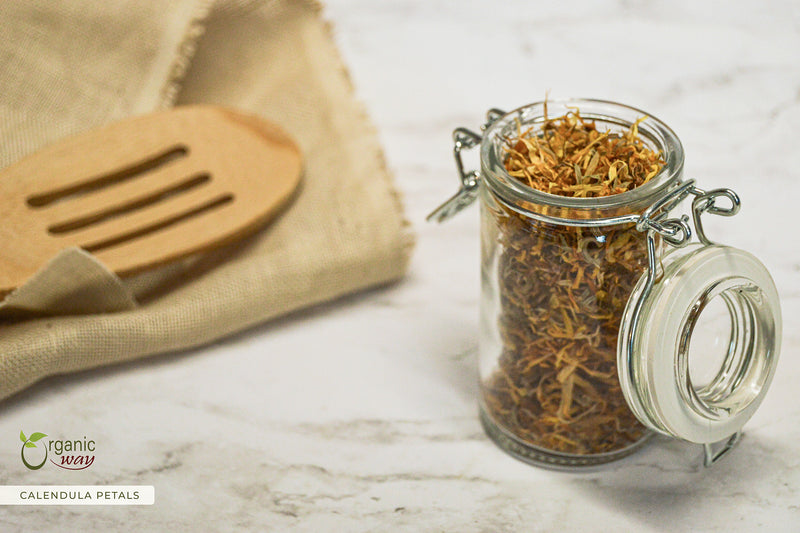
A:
{"x": 70, "y": 65}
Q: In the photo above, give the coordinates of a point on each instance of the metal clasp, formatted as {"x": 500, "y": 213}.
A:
{"x": 464, "y": 138}
{"x": 676, "y": 231}
{"x": 705, "y": 203}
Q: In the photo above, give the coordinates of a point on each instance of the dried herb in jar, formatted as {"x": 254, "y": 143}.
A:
{"x": 563, "y": 290}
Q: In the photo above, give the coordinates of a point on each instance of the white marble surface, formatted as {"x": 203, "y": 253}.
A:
{"x": 361, "y": 415}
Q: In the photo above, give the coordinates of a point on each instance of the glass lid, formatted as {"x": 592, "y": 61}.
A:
{"x": 698, "y": 345}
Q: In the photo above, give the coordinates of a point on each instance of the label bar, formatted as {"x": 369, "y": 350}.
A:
{"x": 77, "y": 495}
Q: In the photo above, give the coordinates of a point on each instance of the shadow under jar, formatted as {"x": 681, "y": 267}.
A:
{"x": 560, "y": 387}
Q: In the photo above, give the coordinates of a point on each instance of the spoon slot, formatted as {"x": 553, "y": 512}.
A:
{"x": 160, "y": 225}
{"x": 127, "y": 207}
{"x": 109, "y": 179}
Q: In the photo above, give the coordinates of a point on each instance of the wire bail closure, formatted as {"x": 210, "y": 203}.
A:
{"x": 464, "y": 138}
{"x": 678, "y": 233}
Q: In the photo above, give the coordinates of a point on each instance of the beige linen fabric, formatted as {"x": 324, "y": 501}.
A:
{"x": 71, "y": 65}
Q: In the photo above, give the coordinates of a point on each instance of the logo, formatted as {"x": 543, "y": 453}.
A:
{"x": 75, "y": 454}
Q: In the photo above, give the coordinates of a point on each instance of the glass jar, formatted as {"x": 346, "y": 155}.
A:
{"x": 593, "y": 310}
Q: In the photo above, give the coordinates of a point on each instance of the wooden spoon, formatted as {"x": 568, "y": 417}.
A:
{"x": 145, "y": 191}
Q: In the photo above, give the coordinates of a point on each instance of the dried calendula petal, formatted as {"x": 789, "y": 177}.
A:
{"x": 563, "y": 290}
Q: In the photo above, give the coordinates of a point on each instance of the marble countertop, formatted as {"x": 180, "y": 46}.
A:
{"x": 361, "y": 415}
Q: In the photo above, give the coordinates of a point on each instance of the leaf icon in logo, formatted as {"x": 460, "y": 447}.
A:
{"x": 29, "y": 442}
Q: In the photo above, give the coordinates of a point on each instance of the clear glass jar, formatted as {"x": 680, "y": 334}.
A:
{"x": 588, "y": 305}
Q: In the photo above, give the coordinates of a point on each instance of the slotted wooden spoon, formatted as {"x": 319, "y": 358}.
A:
{"x": 145, "y": 191}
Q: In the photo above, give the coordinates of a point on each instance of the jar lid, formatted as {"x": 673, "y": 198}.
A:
{"x": 659, "y": 323}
